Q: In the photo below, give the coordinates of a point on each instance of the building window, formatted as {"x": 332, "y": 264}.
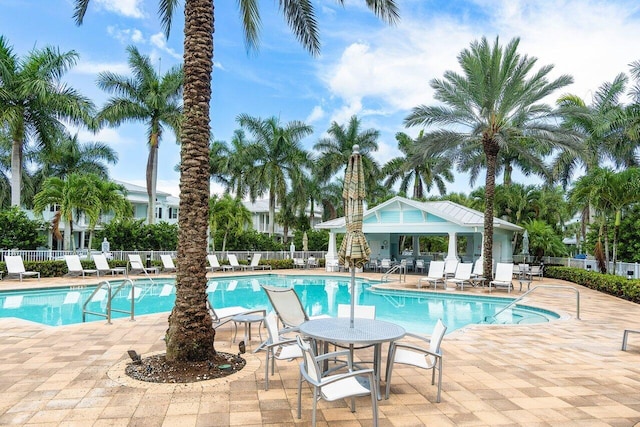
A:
{"x": 173, "y": 213}
{"x": 54, "y": 208}
{"x": 158, "y": 212}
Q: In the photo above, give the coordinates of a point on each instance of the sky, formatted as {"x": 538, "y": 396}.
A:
{"x": 366, "y": 67}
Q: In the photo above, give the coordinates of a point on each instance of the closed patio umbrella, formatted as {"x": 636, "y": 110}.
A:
{"x": 305, "y": 242}
{"x": 354, "y": 251}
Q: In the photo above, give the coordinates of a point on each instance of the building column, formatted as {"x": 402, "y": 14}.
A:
{"x": 332, "y": 254}
{"x": 416, "y": 246}
{"x": 452, "y": 251}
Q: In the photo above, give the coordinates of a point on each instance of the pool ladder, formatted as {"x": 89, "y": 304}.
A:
{"x": 400, "y": 269}
{"x": 515, "y": 301}
{"x": 110, "y": 294}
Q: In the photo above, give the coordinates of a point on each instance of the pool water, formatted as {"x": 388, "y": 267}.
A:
{"x": 415, "y": 311}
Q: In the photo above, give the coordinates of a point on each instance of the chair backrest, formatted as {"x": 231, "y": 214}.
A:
{"x": 287, "y": 305}
{"x": 436, "y": 337}
{"x": 101, "y": 262}
{"x": 524, "y": 268}
{"x": 73, "y": 262}
{"x": 136, "y": 262}
{"x": 419, "y": 263}
{"x": 463, "y": 272}
{"x": 271, "y": 323}
{"x": 450, "y": 266}
{"x": 478, "y": 267}
{"x": 385, "y": 263}
{"x": 213, "y": 261}
{"x": 255, "y": 260}
{"x": 298, "y": 261}
{"x": 436, "y": 269}
{"x": 167, "y": 261}
{"x": 310, "y": 363}
{"x": 504, "y": 272}
{"x": 14, "y": 264}
{"x": 536, "y": 270}
{"x": 233, "y": 260}
{"x": 359, "y": 311}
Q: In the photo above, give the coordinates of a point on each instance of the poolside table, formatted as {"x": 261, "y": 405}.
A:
{"x": 365, "y": 332}
{"x": 247, "y": 320}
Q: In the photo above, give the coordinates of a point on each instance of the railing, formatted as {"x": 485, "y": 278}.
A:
{"x": 515, "y": 301}
{"x": 109, "y": 309}
{"x": 401, "y": 269}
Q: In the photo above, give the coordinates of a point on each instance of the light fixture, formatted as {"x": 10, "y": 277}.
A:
{"x": 135, "y": 357}
{"x": 629, "y": 274}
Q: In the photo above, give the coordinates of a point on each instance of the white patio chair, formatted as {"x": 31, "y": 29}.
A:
{"x": 333, "y": 387}
{"x": 221, "y": 316}
{"x": 504, "y": 276}
{"x": 102, "y": 265}
{"x": 233, "y": 262}
{"x": 536, "y": 271}
{"x": 385, "y": 265}
{"x": 288, "y": 307}
{"x": 15, "y": 266}
{"x": 312, "y": 262}
{"x": 463, "y": 275}
{"x": 477, "y": 275}
{"x": 137, "y": 266}
{"x": 420, "y": 267}
{"x": 277, "y": 347}
{"x": 299, "y": 263}
{"x": 423, "y": 358}
{"x": 450, "y": 266}
{"x": 74, "y": 266}
{"x": 167, "y": 263}
{"x": 255, "y": 263}
{"x": 435, "y": 274}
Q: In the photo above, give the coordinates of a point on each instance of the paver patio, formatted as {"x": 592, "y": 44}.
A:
{"x": 568, "y": 372}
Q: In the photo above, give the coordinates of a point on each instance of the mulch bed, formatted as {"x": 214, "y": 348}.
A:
{"x": 156, "y": 369}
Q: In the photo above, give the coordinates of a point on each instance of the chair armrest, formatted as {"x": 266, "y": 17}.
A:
{"x": 420, "y": 337}
{"x": 333, "y": 354}
{"x": 280, "y": 343}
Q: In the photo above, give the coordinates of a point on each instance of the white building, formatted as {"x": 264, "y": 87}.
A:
{"x": 260, "y": 217}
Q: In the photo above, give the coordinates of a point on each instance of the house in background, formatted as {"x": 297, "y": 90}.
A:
{"x": 260, "y": 217}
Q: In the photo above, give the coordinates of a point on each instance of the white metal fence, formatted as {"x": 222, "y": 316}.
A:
{"x": 625, "y": 269}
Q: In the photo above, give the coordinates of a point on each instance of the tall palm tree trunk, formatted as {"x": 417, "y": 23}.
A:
{"x": 152, "y": 178}
{"x": 16, "y": 172}
{"x": 491, "y": 152}
{"x": 190, "y": 335}
{"x": 272, "y": 213}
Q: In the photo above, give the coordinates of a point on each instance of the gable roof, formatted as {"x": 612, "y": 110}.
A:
{"x": 439, "y": 211}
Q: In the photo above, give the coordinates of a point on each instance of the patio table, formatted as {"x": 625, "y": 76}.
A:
{"x": 365, "y": 332}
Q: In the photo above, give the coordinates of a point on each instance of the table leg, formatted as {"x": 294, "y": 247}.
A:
{"x": 377, "y": 361}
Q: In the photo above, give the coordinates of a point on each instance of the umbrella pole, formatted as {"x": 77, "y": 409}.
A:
{"x": 353, "y": 293}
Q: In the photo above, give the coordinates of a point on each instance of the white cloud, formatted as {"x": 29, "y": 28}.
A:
{"x": 129, "y": 8}
{"x": 126, "y": 35}
{"x": 109, "y": 136}
{"x": 160, "y": 41}
{"x": 316, "y": 114}
{"x": 89, "y": 67}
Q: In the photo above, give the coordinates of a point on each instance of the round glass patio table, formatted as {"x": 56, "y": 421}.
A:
{"x": 364, "y": 332}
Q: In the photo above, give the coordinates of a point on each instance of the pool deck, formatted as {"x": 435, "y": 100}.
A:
{"x": 565, "y": 373}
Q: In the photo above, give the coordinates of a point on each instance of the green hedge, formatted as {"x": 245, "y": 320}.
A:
{"x": 608, "y": 283}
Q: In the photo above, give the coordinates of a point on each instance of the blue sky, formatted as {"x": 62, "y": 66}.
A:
{"x": 367, "y": 68}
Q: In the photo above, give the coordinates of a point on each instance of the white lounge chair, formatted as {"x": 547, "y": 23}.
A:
{"x": 213, "y": 263}
{"x": 423, "y": 358}
{"x": 277, "y": 347}
{"x": 137, "y": 266}
{"x": 463, "y": 275}
{"x": 333, "y": 387}
{"x": 435, "y": 274}
{"x": 220, "y": 316}
{"x": 233, "y": 262}
{"x": 15, "y": 266}
{"x": 74, "y": 266}
{"x": 167, "y": 263}
{"x": 299, "y": 263}
{"x": 477, "y": 275}
{"x": 103, "y": 266}
{"x": 450, "y": 266}
{"x": 504, "y": 276}
{"x": 255, "y": 263}
{"x": 420, "y": 265}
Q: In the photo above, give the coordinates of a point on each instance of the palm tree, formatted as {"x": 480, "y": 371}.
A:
{"x": 493, "y": 104}
{"x": 335, "y": 150}
{"x": 423, "y": 172}
{"x": 278, "y": 156}
{"x": 112, "y": 201}
{"x": 228, "y": 215}
{"x": 232, "y": 166}
{"x": 74, "y": 195}
{"x": 149, "y": 98}
{"x": 191, "y": 335}
{"x": 34, "y": 102}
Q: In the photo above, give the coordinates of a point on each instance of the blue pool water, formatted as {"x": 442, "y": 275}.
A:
{"x": 416, "y": 311}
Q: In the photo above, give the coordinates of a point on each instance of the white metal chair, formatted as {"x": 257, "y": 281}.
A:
{"x": 385, "y": 265}
{"x": 477, "y": 275}
{"x": 424, "y": 358}
{"x": 15, "y": 266}
{"x": 233, "y": 262}
{"x": 74, "y": 266}
{"x": 450, "y": 266}
{"x": 136, "y": 265}
{"x": 255, "y": 263}
{"x": 224, "y": 315}
{"x": 102, "y": 265}
{"x": 167, "y": 263}
{"x": 536, "y": 271}
{"x": 435, "y": 274}
{"x": 504, "y": 276}
{"x": 277, "y": 347}
{"x": 288, "y": 307}
{"x": 333, "y": 387}
{"x": 299, "y": 263}
{"x": 420, "y": 267}
{"x": 463, "y": 275}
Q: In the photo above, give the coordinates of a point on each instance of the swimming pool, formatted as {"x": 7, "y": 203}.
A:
{"x": 415, "y": 311}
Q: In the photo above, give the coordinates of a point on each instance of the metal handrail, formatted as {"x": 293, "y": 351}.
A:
{"x": 399, "y": 268}
{"x": 110, "y": 295}
{"x": 515, "y": 301}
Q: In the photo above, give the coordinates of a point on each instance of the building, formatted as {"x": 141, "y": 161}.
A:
{"x": 260, "y": 217}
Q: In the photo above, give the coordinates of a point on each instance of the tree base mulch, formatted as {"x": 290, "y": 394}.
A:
{"x": 156, "y": 369}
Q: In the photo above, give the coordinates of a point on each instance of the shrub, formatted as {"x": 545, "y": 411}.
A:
{"x": 608, "y": 283}
{"x": 17, "y": 231}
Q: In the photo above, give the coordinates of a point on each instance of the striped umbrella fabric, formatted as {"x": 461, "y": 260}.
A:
{"x": 354, "y": 251}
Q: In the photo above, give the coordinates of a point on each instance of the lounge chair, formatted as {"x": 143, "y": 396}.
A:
{"x": 424, "y": 358}
{"x": 463, "y": 275}
{"x": 536, "y": 271}
{"x": 103, "y": 266}
{"x": 137, "y": 266}
{"x": 167, "y": 264}
{"x": 435, "y": 274}
{"x": 221, "y": 316}
{"x": 288, "y": 307}
{"x": 214, "y": 264}
{"x": 477, "y": 275}
{"x": 233, "y": 262}
{"x": 312, "y": 262}
{"x": 75, "y": 266}
{"x": 420, "y": 265}
{"x": 15, "y": 266}
{"x": 504, "y": 276}
{"x": 299, "y": 263}
{"x": 255, "y": 263}
{"x": 277, "y": 347}
{"x": 333, "y": 387}
{"x": 450, "y": 266}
